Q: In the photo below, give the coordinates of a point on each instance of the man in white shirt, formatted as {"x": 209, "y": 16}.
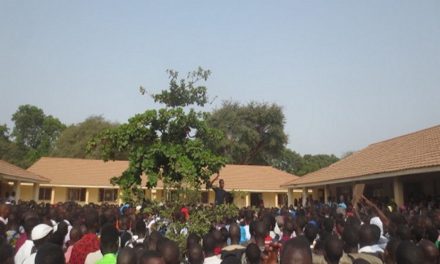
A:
{"x": 26, "y": 249}
{"x": 40, "y": 235}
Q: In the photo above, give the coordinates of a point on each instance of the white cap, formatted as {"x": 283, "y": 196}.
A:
{"x": 40, "y": 231}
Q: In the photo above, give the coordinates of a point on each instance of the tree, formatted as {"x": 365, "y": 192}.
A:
{"x": 72, "y": 142}
{"x": 34, "y": 130}
{"x": 253, "y": 134}
{"x": 313, "y": 163}
{"x": 169, "y": 144}
{"x": 289, "y": 161}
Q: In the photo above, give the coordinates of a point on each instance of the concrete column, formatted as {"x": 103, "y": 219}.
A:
{"x": 248, "y": 199}
{"x": 326, "y": 193}
{"x": 289, "y": 196}
{"x": 304, "y": 196}
{"x": 398, "y": 191}
{"x": 52, "y": 196}
{"x": 17, "y": 190}
{"x": 153, "y": 194}
{"x": 87, "y": 196}
{"x": 36, "y": 190}
{"x": 276, "y": 199}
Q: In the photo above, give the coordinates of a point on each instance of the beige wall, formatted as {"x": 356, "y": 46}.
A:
{"x": 93, "y": 195}
{"x": 27, "y": 192}
{"x": 60, "y": 194}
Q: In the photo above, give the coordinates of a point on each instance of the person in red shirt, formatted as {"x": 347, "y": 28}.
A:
{"x": 89, "y": 242}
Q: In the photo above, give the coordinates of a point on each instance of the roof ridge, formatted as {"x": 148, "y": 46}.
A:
{"x": 404, "y": 135}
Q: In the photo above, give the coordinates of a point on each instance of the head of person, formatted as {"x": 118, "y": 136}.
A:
{"x": 218, "y": 238}
{"x": 408, "y": 253}
{"x": 333, "y": 250}
{"x": 152, "y": 240}
{"x": 209, "y": 244}
{"x": 260, "y": 232}
{"x": 192, "y": 240}
{"x": 170, "y": 252}
{"x": 296, "y": 251}
{"x": 151, "y": 257}
{"x": 222, "y": 184}
{"x": 350, "y": 237}
{"x": 91, "y": 220}
{"x": 126, "y": 255}
{"x": 390, "y": 250}
{"x": 430, "y": 251}
{"x": 75, "y": 234}
{"x": 50, "y": 254}
{"x": 6, "y": 253}
{"x": 140, "y": 228}
{"x": 253, "y": 254}
{"x": 109, "y": 242}
{"x": 41, "y": 234}
{"x": 5, "y": 210}
{"x": 289, "y": 227}
{"x": 310, "y": 232}
{"x": 368, "y": 235}
{"x": 195, "y": 254}
{"x": 29, "y": 223}
{"x": 234, "y": 233}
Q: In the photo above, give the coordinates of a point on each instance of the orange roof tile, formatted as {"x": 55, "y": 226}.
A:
{"x": 417, "y": 150}
{"x": 97, "y": 173}
{"x": 9, "y": 171}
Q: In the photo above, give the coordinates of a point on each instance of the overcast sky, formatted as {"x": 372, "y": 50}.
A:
{"x": 346, "y": 73}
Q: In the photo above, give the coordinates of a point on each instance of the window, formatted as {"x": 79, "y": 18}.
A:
{"x": 76, "y": 194}
{"x": 45, "y": 194}
{"x": 108, "y": 195}
{"x": 282, "y": 199}
{"x": 204, "y": 197}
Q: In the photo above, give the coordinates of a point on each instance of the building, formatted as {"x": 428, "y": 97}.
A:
{"x": 12, "y": 178}
{"x": 88, "y": 181}
{"x": 403, "y": 168}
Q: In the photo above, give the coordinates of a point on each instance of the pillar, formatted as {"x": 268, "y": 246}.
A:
{"x": 276, "y": 199}
{"x": 398, "y": 191}
{"x": 36, "y": 191}
{"x": 248, "y": 198}
{"x": 52, "y": 196}
{"x": 326, "y": 194}
{"x": 304, "y": 196}
{"x": 289, "y": 196}
{"x": 17, "y": 190}
{"x": 87, "y": 196}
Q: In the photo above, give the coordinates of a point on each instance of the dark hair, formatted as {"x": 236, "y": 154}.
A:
{"x": 333, "y": 249}
{"x": 253, "y": 253}
{"x": 294, "y": 245}
{"x": 49, "y": 254}
{"x": 109, "y": 239}
{"x": 408, "y": 253}
{"x": 126, "y": 255}
{"x": 170, "y": 252}
{"x": 195, "y": 254}
{"x": 208, "y": 244}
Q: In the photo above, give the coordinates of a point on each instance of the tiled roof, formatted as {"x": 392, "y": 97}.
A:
{"x": 85, "y": 172}
{"x": 417, "y": 150}
{"x": 11, "y": 172}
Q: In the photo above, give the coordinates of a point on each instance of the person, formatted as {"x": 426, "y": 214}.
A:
{"x": 296, "y": 251}
{"x": 208, "y": 248}
{"x": 151, "y": 257}
{"x": 25, "y": 249}
{"x": 408, "y": 253}
{"x": 49, "y": 254}
{"x": 253, "y": 254}
{"x": 89, "y": 242}
{"x": 220, "y": 193}
{"x": 170, "y": 252}
{"x": 6, "y": 254}
{"x": 75, "y": 236}
{"x": 40, "y": 235}
{"x": 430, "y": 251}
{"x": 5, "y": 210}
{"x": 109, "y": 244}
{"x": 234, "y": 248}
{"x": 333, "y": 250}
{"x": 195, "y": 254}
{"x": 126, "y": 255}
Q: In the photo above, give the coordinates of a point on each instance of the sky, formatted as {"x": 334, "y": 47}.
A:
{"x": 346, "y": 73}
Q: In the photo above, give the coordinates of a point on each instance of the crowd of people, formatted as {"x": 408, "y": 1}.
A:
{"x": 372, "y": 232}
